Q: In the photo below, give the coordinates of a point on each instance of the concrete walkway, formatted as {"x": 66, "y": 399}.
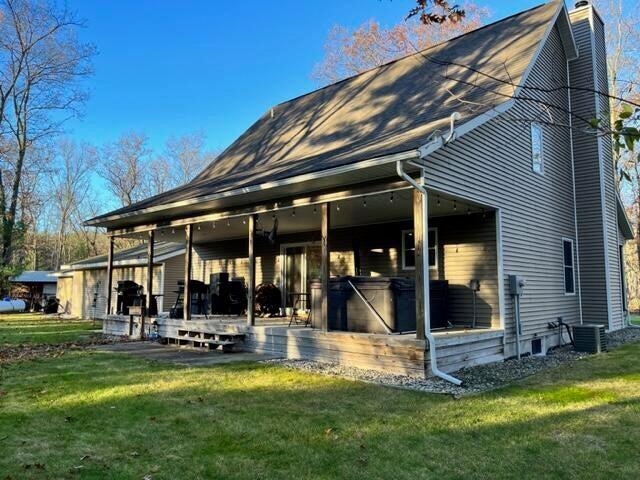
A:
{"x": 181, "y": 355}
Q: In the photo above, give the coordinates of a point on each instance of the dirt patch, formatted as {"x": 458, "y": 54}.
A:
{"x": 26, "y": 351}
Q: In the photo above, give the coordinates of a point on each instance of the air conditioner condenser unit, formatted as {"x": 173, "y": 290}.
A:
{"x": 590, "y": 338}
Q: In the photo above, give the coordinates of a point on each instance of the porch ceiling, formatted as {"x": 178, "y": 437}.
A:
{"x": 372, "y": 209}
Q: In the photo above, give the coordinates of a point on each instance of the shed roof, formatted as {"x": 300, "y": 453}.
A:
{"x": 35, "y": 276}
{"x": 130, "y": 257}
{"x": 389, "y": 109}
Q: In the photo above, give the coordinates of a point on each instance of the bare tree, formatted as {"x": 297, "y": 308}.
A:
{"x": 71, "y": 189}
{"x": 183, "y": 158}
{"x": 124, "y": 165}
{"x": 41, "y": 65}
{"x": 349, "y": 52}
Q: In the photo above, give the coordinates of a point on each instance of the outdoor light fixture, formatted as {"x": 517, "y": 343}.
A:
{"x": 199, "y": 227}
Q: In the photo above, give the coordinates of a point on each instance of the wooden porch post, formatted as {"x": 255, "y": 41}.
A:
{"x": 150, "y": 246}
{"x": 325, "y": 271}
{"x": 186, "y": 309}
{"x": 251, "y": 294}
{"x": 421, "y": 283}
{"x": 110, "y": 274}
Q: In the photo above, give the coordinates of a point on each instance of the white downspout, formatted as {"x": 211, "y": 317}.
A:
{"x": 433, "y": 358}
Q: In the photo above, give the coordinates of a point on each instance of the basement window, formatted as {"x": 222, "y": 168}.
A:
{"x": 569, "y": 278}
{"x": 409, "y": 249}
{"x": 536, "y": 346}
{"x": 537, "y": 150}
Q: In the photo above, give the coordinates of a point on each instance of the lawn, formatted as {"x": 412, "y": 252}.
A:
{"x": 95, "y": 415}
{"x": 33, "y": 328}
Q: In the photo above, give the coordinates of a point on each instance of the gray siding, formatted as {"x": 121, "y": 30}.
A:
{"x": 595, "y": 178}
{"x": 173, "y": 271}
{"x": 493, "y": 165}
{"x": 466, "y": 250}
{"x": 609, "y": 175}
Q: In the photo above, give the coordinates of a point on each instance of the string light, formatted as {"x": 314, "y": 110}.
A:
{"x": 484, "y": 214}
{"x": 337, "y": 207}
{"x": 468, "y": 210}
{"x": 173, "y": 231}
{"x": 213, "y": 224}
{"x": 315, "y": 209}
{"x": 228, "y": 222}
{"x": 455, "y": 206}
{"x": 244, "y": 221}
{"x": 438, "y": 200}
{"x": 364, "y": 201}
{"x": 198, "y": 227}
{"x": 391, "y": 198}
{"x": 293, "y": 212}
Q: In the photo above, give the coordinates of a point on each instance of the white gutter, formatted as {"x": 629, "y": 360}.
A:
{"x": 429, "y": 147}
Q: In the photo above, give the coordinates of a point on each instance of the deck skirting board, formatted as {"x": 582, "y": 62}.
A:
{"x": 394, "y": 354}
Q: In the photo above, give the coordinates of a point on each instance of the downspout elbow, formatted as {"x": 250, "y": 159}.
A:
{"x": 433, "y": 357}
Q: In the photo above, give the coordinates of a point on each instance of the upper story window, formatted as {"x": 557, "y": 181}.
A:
{"x": 409, "y": 249}
{"x": 537, "y": 148}
{"x": 569, "y": 276}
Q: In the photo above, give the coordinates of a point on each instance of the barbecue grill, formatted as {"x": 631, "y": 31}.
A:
{"x": 129, "y": 294}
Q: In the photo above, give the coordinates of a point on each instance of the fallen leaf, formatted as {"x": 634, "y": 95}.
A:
{"x": 135, "y": 454}
{"x": 84, "y": 457}
{"x": 68, "y": 419}
{"x": 153, "y": 418}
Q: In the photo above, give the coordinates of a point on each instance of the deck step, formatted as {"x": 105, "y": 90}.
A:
{"x": 225, "y": 341}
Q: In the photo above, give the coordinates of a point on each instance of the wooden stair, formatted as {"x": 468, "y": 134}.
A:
{"x": 211, "y": 340}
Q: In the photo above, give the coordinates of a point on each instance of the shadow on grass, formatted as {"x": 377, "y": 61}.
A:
{"x": 133, "y": 418}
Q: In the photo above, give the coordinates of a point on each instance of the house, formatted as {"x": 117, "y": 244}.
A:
{"x": 467, "y": 171}
{"x": 34, "y": 287}
{"x": 82, "y": 286}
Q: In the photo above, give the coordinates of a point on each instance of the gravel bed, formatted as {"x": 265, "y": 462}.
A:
{"x": 474, "y": 379}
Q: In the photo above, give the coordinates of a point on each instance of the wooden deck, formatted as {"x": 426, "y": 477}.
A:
{"x": 397, "y": 354}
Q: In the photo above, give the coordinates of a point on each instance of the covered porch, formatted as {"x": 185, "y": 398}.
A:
{"x": 337, "y": 263}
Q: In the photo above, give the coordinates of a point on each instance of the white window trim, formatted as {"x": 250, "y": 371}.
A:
{"x": 573, "y": 267}
{"x": 535, "y": 125}
{"x": 404, "y": 262}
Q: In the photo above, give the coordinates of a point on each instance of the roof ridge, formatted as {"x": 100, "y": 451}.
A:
{"x": 419, "y": 52}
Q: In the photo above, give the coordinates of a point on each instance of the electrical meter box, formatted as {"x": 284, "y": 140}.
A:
{"x": 516, "y": 284}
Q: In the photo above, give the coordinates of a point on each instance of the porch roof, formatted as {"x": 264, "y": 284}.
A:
{"x": 129, "y": 257}
{"x": 384, "y": 111}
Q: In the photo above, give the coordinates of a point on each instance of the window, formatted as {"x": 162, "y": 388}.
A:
{"x": 409, "y": 249}
{"x": 569, "y": 282}
{"x": 537, "y": 151}
{"x": 623, "y": 284}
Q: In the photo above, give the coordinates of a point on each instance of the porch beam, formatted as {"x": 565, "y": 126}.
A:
{"x": 421, "y": 283}
{"x": 186, "y": 303}
{"x": 150, "y": 251}
{"x": 357, "y": 191}
{"x": 110, "y": 274}
{"x": 251, "y": 291}
{"x": 325, "y": 272}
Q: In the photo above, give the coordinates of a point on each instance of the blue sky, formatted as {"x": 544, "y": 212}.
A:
{"x": 171, "y": 67}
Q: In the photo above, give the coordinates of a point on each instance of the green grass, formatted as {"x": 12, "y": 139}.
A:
{"x": 33, "y": 328}
{"x": 94, "y": 415}
{"x": 635, "y": 319}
